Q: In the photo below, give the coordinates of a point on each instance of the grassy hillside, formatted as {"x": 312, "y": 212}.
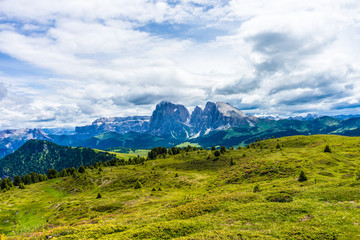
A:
{"x": 250, "y": 193}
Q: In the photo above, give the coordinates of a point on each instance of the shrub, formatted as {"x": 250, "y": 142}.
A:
{"x": 21, "y": 185}
{"x": 99, "y": 195}
{"x": 222, "y": 149}
{"x": 279, "y": 197}
{"x": 358, "y": 175}
{"x": 232, "y": 162}
{"x": 302, "y": 177}
{"x": 217, "y": 153}
{"x": 327, "y": 149}
{"x": 278, "y": 146}
{"x": 256, "y": 188}
{"x": 138, "y": 185}
{"x": 81, "y": 169}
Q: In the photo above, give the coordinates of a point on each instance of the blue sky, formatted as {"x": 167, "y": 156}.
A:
{"x": 65, "y": 63}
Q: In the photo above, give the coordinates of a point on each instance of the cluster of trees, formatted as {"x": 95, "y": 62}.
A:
{"x": 162, "y": 151}
{"x": 7, "y": 183}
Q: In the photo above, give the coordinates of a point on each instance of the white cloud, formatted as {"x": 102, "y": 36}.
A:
{"x": 117, "y": 58}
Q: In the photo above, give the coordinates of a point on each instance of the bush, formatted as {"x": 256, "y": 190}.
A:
{"x": 358, "y": 175}
{"x": 99, "y": 195}
{"x": 217, "y": 153}
{"x": 81, "y": 169}
{"x": 256, "y": 188}
{"x": 21, "y": 185}
{"x": 232, "y": 162}
{"x": 138, "y": 185}
{"x": 327, "y": 149}
{"x": 279, "y": 197}
{"x": 302, "y": 177}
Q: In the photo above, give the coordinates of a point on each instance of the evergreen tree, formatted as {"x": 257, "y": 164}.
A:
{"x": 302, "y": 177}
{"x": 358, "y": 175}
{"x": 34, "y": 177}
{"x": 63, "y": 173}
{"x": 232, "y": 162}
{"x": 222, "y": 149}
{"x": 278, "y": 146}
{"x": 327, "y": 149}
{"x": 256, "y": 188}
{"x": 213, "y": 148}
{"x": 81, "y": 169}
{"x": 217, "y": 153}
{"x": 27, "y": 179}
{"x": 22, "y": 185}
{"x": 99, "y": 195}
{"x": 17, "y": 180}
{"x": 52, "y": 173}
{"x": 138, "y": 185}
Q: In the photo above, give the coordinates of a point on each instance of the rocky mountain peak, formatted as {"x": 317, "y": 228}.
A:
{"x": 170, "y": 119}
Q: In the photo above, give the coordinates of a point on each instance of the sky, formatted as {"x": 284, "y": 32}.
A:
{"x": 65, "y": 63}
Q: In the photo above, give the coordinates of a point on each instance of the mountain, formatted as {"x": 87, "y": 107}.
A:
{"x": 170, "y": 119}
{"x": 115, "y": 124}
{"x": 39, "y": 156}
{"x": 170, "y": 124}
{"x": 12, "y": 139}
{"x": 218, "y": 116}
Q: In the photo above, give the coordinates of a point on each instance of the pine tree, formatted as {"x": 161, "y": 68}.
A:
{"x": 302, "y": 177}
{"x": 232, "y": 162}
{"x": 256, "y": 188}
{"x": 22, "y": 185}
{"x": 99, "y": 195}
{"x": 327, "y": 149}
{"x": 17, "y": 180}
{"x": 81, "y": 169}
{"x": 138, "y": 185}
{"x": 222, "y": 149}
{"x": 217, "y": 153}
{"x": 358, "y": 175}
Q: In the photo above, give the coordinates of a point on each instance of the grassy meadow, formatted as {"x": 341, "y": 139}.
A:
{"x": 247, "y": 193}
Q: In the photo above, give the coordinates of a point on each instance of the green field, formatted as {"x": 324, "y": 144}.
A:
{"x": 195, "y": 195}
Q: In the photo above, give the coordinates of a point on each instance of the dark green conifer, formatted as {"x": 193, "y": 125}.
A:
{"x": 327, "y": 149}
{"x": 217, "y": 153}
{"x": 99, "y": 195}
{"x": 302, "y": 177}
{"x": 138, "y": 185}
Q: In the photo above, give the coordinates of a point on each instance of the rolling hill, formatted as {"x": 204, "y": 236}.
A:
{"x": 247, "y": 193}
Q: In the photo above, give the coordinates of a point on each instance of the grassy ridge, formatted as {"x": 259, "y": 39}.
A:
{"x": 195, "y": 195}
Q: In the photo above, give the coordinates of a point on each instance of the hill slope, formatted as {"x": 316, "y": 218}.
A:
{"x": 39, "y": 156}
{"x": 195, "y": 195}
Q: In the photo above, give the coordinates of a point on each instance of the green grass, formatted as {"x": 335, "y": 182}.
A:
{"x": 201, "y": 197}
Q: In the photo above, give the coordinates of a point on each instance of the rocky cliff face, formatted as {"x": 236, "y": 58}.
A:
{"x": 116, "y": 124}
{"x": 12, "y": 139}
{"x": 170, "y": 119}
{"x": 218, "y": 116}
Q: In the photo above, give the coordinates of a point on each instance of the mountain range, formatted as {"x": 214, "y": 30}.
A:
{"x": 171, "y": 124}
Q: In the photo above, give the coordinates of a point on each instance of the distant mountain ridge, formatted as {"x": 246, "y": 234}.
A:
{"x": 170, "y": 124}
{"x": 12, "y": 139}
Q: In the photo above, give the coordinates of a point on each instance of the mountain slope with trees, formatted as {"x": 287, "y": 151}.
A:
{"x": 39, "y": 155}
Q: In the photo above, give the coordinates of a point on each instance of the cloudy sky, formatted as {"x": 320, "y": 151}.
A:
{"x": 65, "y": 62}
